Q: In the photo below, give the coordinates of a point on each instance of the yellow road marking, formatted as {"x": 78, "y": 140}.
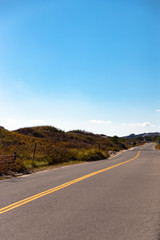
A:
{"x": 49, "y": 191}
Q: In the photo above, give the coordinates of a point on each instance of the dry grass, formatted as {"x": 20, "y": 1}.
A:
{"x": 56, "y": 147}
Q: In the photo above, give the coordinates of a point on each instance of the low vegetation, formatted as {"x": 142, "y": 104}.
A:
{"x": 54, "y": 146}
{"x": 158, "y": 145}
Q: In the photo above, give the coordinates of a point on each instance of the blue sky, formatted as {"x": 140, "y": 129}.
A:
{"x": 84, "y": 64}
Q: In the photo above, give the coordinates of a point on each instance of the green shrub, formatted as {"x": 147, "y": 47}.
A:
{"x": 60, "y": 154}
{"x": 19, "y": 166}
{"x": 92, "y": 156}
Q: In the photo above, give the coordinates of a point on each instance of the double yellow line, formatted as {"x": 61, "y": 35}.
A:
{"x": 49, "y": 191}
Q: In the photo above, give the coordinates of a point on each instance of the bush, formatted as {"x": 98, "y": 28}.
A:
{"x": 92, "y": 156}
{"x": 19, "y": 166}
{"x": 61, "y": 154}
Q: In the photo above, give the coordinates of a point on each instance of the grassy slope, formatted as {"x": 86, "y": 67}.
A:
{"x": 56, "y": 146}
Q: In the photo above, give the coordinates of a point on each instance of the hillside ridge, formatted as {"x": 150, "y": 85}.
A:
{"x": 54, "y": 146}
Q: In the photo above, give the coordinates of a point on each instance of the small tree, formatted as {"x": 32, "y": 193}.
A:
{"x": 115, "y": 139}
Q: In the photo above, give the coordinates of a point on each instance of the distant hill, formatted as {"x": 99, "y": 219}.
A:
{"x": 151, "y": 134}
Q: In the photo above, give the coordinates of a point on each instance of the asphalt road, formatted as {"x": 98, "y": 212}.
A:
{"x": 121, "y": 202}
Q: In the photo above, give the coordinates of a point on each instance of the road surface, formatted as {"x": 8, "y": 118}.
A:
{"x": 114, "y": 199}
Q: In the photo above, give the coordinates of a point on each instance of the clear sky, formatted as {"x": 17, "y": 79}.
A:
{"x": 80, "y": 64}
